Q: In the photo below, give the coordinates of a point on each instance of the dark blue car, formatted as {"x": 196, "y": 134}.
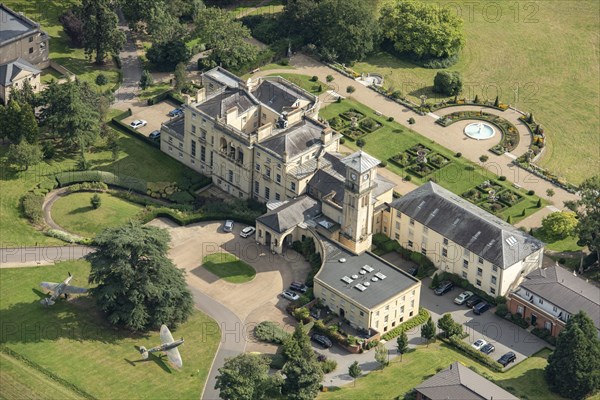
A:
{"x": 482, "y": 307}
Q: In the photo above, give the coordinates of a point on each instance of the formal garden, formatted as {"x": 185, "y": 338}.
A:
{"x": 420, "y": 160}
{"x": 353, "y": 124}
{"x": 492, "y": 197}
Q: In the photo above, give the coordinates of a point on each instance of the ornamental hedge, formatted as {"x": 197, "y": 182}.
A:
{"x": 419, "y": 319}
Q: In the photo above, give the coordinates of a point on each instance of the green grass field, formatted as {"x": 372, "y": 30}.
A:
{"x": 17, "y": 231}
{"x": 72, "y": 340}
{"x": 400, "y": 377}
{"x": 457, "y": 177}
{"x": 305, "y": 83}
{"x": 75, "y": 214}
{"x": 567, "y": 244}
{"x": 228, "y": 267}
{"x": 546, "y": 49}
{"x": 46, "y": 13}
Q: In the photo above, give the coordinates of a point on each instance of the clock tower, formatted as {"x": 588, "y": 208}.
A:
{"x": 357, "y": 211}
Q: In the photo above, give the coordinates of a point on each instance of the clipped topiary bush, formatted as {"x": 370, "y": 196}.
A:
{"x": 269, "y": 331}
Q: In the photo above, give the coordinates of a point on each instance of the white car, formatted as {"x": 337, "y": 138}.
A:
{"x": 290, "y": 295}
{"x": 479, "y": 343}
{"x": 138, "y": 123}
{"x": 464, "y": 296}
{"x": 247, "y": 231}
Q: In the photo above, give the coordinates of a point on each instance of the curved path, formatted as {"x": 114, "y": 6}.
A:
{"x": 426, "y": 126}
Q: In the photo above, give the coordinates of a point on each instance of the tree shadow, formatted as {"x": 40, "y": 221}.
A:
{"x": 157, "y": 359}
{"x": 81, "y": 210}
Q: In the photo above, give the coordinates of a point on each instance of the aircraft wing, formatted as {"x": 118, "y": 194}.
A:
{"x": 74, "y": 290}
{"x": 49, "y": 285}
{"x": 165, "y": 335}
{"x": 175, "y": 357}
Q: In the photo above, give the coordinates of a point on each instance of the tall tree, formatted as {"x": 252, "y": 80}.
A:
{"x": 573, "y": 368}
{"x": 354, "y": 371}
{"x": 18, "y": 123}
{"x": 422, "y": 30}
{"x": 588, "y": 213}
{"x": 402, "y": 344}
{"x": 24, "y": 95}
{"x": 302, "y": 371}
{"x": 181, "y": 80}
{"x": 381, "y": 354}
{"x": 138, "y": 286}
{"x": 24, "y": 154}
{"x": 298, "y": 17}
{"x": 448, "y": 83}
{"x": 449, "y": 326}
{"x": 246, "y": 377}
{"x": 101, "y": 35}
{"x": 560, "y": 224}
{"x": 428, "y": 331}
{"x": 163, "y": 26}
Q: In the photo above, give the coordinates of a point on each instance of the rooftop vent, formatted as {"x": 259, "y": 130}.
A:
{"x": 373, "y": 279}
{"x": 342, "y": 260}
{"x": 354, "y": 276}
{"x": 347, "y": 280}
{"x": 362, "y": 272}
{"x": 380, "y": 276}
{"x": 456, "y": 221}
{"x": 367, "y": 268}
{"x": 360, "y": 287}
{"x": 367, "y": 283}
{"x": 511, "y": 241}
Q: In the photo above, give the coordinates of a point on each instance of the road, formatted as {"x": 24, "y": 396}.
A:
{"x": 131, "y": 68}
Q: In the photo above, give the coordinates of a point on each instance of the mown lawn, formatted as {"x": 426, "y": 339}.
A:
{"x": 567, "y": 244}
{"x": 46, "y": 13}
{"x": 228, "y": 267}
{"x": 249, "y": 7}
{"x": 72, "y": 340}
{"x": 545, "y": 49}
{"x": 458, "y": 177}
{"x": 525, "y": 380}
{"x": 305, "y": 83}
{"x": 75, "y": 214}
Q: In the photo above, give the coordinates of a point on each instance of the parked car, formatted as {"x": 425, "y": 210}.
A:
{"x": 413, "y": 271}
{"x": 481, "y": 307}
{"x": 473, "y": 301}
{"x": 320, "y": 356}
{"x": 488, "y": 348}
{"x": 315, "y": 313}
{"x": 138, "y": 123}
{"x": 247, "y": 231}
{"x": 443, "y": 288}
{"x": 479, "y": 343}
{"x": 175, "y": 112}
{"x": 464, "y": 296}
{"x": 228, "y": 227}
{"x": 154, "y": 135}
{"x": 322, "y": 340}
{"x": 298, "y": 287}
{"x": 288, "y": 294}
{"x": 507, "y": 358}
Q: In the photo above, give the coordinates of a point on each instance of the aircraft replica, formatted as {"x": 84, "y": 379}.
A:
{"x": 168, "y": 346}
{"x": 58, "y": 289}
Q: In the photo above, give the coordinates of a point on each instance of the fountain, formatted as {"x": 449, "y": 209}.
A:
{"x": 353, "y": 122}
{"x": 421, "y": 159}
{"x": 480, "y": 131}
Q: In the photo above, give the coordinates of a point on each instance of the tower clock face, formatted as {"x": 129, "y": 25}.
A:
{"x": 353, "y": 176}
{"x": 365, "y": 177}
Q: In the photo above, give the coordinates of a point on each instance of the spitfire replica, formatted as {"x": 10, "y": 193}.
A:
{"x": 60, "y": 288}
{"x": 168, "y": 346}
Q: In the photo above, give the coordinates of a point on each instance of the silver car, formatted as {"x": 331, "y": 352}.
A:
{"x": 228, "y": 227}
{"x": 138, "y": 123}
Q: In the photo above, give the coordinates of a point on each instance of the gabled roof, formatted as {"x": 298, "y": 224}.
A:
{"x": 565, "y": 290}
{"x": 276, "y": 95}
{"x": 295, "y": 139}
{"x": 291, "y": 214}
{"x": 458, "y": 382}
{"x": 11, "y": 70}
{"x": 467, "y": 225}
{"x": 360, "y": 161}
{"x": 13, "y": 24}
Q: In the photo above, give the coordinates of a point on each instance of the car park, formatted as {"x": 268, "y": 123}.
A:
{"x": 175, "y": 112}
{"x": 154, "y": 135}
{"x": 138, "y": 123}
{"x": 488, "y": 349}
{"x": 478, "y": 344}
{"x": 473, "y": 301}
{"x": 247, "y": 231}
{"x": 481, "y": 307}
{"x": 507, "y": 358}
{"x": 288, "y": 294}
{"x": 443, "y": 288}
{"x": 298, "y": 287}
{"x": 464, "y": 296}
{"x": 322, "y": 340}
{"x": 228, "y": 227}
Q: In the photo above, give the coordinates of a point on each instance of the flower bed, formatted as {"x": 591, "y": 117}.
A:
{"x": 419, "y": 147}
{"x": 400, "y": 100}
{"x": 337, "y": 123}
{"x": 509, "y": 197}
{"x": 438, "y": 160}
{"x": 488, "y": 186}
{"x": 369, "y": 125}
{"x": 543, "y": 173}
{"x": 353, "y": 133}
{"x": 474, "y": 196}
{"x": 421, "y": 170}
{"x": 352, "y": 113}
{"x": 403, "y": 159}
{"x": 467, "y": 102}
{"x": 493, "y": 206}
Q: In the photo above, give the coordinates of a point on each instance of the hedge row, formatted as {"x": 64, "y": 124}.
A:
{"x": 123, "y": 181}
{"x": 183, "y": 219}
{"x": 466, "y": 348}
{"x": 31, "y": 207}
{"x": 46, "y": 372}
{"x": 271, "y": 332}
{"x": 419, "y": 319}
{"x": 167, "y": 94}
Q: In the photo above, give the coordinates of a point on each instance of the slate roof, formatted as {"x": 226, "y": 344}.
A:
{"x": 225, "y": 77}
{"x": 333, "y": 271}
{"x": 13, "y": 25}
{"x": 467, "y": 225}
{"x": 360, "y": 161}
{"x": 218, "y": 105}
{"x": 276, "y": 95}
{"x": 177, "y": 126}
{"x": 565, "y": 290}
{"x": 10, "y": 70}
{"x": 295, "y": 139}
{"x": 291, "y": 214}
{"x": 458, "y": 382}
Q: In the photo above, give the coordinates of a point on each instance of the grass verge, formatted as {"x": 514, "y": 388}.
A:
{"x": 228, "y": 267}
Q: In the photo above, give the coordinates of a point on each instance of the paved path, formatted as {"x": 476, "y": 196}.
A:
{"x": 450, "y": 137}
{"x": 131, "y": 68}
{"x": 35, "y": 256}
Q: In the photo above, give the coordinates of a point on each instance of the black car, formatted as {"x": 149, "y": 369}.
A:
{"x": 481, "y": 307}
{"x": 443, "y": 288}
{"x": 298, "y": 287}
{"x": 154, "y": 135}
{"x": 315, "y": 313}
{"x": 488, "y": 348}
{"x": 507, "y": 358}
{"x": 322, "y": 340}
{"x": 473, "y": 301}
{"x": 413, "y": 271}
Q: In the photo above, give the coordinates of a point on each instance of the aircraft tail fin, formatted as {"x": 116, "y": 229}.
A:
{"x": 144, "y": 352}
{"x": 69, "y": 274}
{"x": 47, "y": 302}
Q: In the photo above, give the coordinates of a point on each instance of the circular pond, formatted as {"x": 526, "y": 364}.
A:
{"x": 480, "y": 131}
